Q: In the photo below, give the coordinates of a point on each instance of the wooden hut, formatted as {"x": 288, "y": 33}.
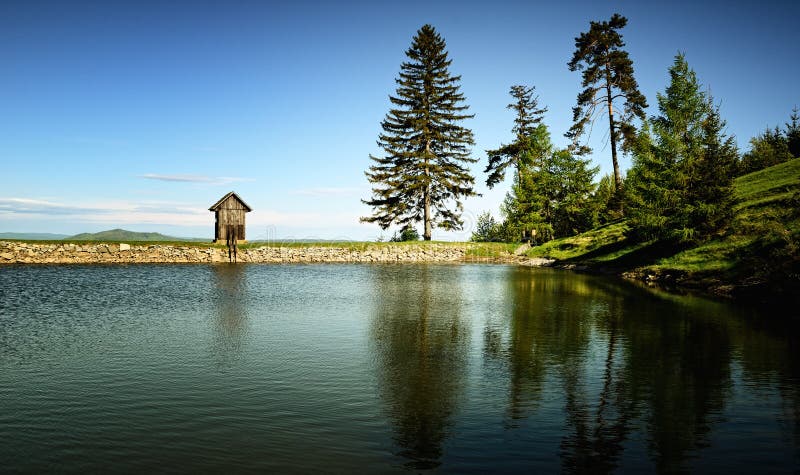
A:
{"x": 229, "y": 214}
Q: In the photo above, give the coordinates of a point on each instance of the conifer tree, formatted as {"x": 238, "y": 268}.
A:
{"x": 766, "y": 149}
{"x": 793, "y": 133}
{"x": 680, "y": 185}
{"x": 607, "y": 76}
{"x": 529, "y": 117}
{"x": 552, "y": 194}
{"x": 572, "y": 194}
{"x": 606, "y": 202}
{"x": 527, "y": 206}
{"x": 710, "y": 193}
{"x": 423, "y": 174}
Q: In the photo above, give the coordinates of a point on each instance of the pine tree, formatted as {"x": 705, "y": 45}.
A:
{"x": 793, "y": 133}
{"x": 571, "y": 197}
{"x": 527, "y": 208}
{"x": 651, "y": 196}
{"x": 680, "y": 185}
{"x": 529, "y": 117}
{"x": 710, "y": 193}
{"x": 607, "y": 75}
{"x": 767, "y": 149}
{"x": 486, "y": 228}
{"x": 423, "y": 175}
{"x": 552, "y": 195}
{"x": 606, "y": 202}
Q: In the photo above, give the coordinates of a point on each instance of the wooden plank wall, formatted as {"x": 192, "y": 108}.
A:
{"x": 230, "y": 212}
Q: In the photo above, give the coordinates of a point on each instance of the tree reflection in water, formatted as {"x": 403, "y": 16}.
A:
{"x": 640, "y": 379}
{"x": 622, "y": 365}
{"x": 420, "y": 346}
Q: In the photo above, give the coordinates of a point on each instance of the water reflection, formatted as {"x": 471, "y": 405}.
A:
{"x": 472, "y": 368}
{"x": 230, "y": 322}
{"x": 421, "y": 346}
{"x": 623, "y": 361}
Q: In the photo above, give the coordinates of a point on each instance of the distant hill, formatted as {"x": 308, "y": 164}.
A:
{"x": 124, "y": 235}
{"x": 33, "y": 236}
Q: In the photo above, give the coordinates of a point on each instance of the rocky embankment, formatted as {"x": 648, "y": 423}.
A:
{"x": 12, "y": 252}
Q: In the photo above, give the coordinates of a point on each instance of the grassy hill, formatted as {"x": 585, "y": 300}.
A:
{"x": 758, "y": 255}
{"x": 123, "y": 235}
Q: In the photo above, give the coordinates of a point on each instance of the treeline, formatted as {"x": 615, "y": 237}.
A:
{"x": 678, "y": 189}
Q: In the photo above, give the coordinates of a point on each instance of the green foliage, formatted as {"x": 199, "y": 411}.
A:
{"x": 406, "y": 234}
{"x": 423, "y": 174}
{"x": 793, "y": 133}
{"x": 607, "y": 75}
{"x": 527, "y": 208}
{"x": 571, "y": 197}
{"x": 760, "y": 251}
{"x": 680, "y": 186}
{"x": 709, "y": 195}
{"x": 767, "y": 149}
{"x": 553, "y": 193}
{"x": 486, "y": 229}
{"x": 606, "y": 202}
{"x": 528, "y": 119}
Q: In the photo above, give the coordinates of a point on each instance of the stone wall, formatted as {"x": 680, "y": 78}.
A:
{"x": 12, "y": 252}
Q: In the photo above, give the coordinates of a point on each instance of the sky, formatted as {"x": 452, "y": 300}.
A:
{"x": 141, "y": 115}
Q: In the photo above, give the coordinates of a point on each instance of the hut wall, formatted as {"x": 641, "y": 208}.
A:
{"x": 230, "y": 213}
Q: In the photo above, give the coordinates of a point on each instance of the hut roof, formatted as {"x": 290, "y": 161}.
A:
{"x": 222, "y": 200}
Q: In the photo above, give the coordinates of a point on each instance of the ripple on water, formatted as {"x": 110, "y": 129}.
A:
{"x": 341, "y": 368}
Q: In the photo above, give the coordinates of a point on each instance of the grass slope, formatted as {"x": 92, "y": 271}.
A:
{"x": 758, "y": 253}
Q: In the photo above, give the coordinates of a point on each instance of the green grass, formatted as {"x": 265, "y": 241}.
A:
{"x": 760, "y": 248}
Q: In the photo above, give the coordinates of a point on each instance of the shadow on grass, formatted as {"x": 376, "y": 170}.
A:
{"x": 643, "y": 256}
{"x": 601, "y": 251}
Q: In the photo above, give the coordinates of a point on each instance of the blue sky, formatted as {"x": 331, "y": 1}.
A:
{"x": 141, "y": 115}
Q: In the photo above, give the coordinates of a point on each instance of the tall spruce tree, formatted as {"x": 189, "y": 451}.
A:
{"x": 423, "y": 174}
{"x": 680, "y": 185}
{"x": 607, "y": 76}
{"x": 529, "y": 117}
{"x": 793, "y": 133}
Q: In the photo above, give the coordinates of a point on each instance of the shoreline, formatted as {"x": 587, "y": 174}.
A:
{"x": 16, "y": 252}
{"x": 69, "y": 253}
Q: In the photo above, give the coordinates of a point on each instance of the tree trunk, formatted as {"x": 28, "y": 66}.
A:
{"x": 613, "y": 137}
{"x": 426, "y": 235}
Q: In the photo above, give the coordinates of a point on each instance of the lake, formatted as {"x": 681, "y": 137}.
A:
{"x": 383, "y": 368}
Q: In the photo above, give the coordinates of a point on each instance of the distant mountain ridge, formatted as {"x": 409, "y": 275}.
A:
{"x": 33, "y": 236}
{"x": 125, "y": 235}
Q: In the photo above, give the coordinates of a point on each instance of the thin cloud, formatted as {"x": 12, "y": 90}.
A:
{"x": 30, "y": 206}
{"x": 123, "y": 213}
{"x": 209, "y": 180}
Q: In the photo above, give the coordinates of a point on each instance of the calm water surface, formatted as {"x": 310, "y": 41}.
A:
{"x": 341, "y": 368}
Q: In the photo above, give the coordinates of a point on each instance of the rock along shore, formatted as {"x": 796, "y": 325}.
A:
{"x": 13, "y": 252}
